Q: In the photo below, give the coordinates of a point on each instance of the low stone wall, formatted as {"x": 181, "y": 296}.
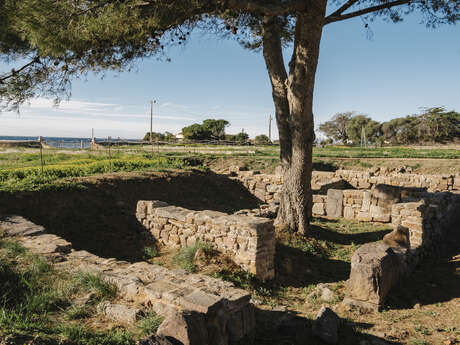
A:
{"x": 420, "y": 226}
{"x": 427, "y": 219}
{"x": 248, "y": 240}
{"x": 267, "y": 187}
{"x": 198, "y": 309}
{"x": 363, "y": 205}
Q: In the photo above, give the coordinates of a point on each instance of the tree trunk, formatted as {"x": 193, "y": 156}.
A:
{"x": 293, "y": 98}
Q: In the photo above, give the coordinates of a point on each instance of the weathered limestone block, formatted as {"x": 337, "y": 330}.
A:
{"x": 375, "y": 268}
{"x": 380, "y": 214}
{"x": 318, "y": 209}
{"x": 334, "y": 204}
{"x": 367, "y": 197}
{"x": 348, "y": 212}
{"x": 119, "y": 312}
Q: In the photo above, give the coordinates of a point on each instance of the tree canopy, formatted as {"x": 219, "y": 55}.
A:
{"x": 50, "y": 42}
{"x": 432, "y": 125}
{"x": 209, "y": 129}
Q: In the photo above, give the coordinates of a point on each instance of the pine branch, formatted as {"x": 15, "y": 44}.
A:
{"x": 14, "y": 72}
{"x": 334, "y": 18}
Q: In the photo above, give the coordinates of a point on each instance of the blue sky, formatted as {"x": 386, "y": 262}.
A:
{"x": 390, "y": 72}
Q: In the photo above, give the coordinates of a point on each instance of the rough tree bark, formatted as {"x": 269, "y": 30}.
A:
{"x": 293, "y": 99}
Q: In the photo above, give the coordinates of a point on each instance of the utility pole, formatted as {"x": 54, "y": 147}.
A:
{"x": 151, "y": 123}
{"x": 151, "y": 120}
{"x": 270, "y": 118}
{"x": 363, "y": 137}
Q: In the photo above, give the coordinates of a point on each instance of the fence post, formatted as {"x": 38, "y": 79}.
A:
{"x": 110, "y": 156}
{"x": 40, "y": 140}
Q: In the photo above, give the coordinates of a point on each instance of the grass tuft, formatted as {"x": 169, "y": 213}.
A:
{"x": 149, "y": 323}
{"x": 96, "y": 283}
{"x": 184, "y": 258}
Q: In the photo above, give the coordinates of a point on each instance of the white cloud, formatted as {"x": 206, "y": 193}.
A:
{"x": 75, "y": 118}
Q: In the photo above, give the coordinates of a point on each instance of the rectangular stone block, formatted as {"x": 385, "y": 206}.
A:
{"x": 318, "y": 209}
{"x": 348, "y": 212}
{"x": 334, "y": 204}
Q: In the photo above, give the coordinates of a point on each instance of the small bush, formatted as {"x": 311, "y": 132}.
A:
{"x": 150, "y": 252}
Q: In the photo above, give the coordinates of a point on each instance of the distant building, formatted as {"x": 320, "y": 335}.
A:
{"x": 180, "y": 136}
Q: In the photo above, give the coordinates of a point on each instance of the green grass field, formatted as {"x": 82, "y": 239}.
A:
{"x": 22, "y": 170}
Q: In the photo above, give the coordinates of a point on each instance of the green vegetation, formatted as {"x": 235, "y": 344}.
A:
{"x": 209, "y": 130}
{"x": 21, "y": 171}
{"x": 41, "y": 304}
{"x": 184, "y": 258}
{"x": 433, "y": 125}
{"x": 166, "y": 136}
{"x": 33, "y": 178}
{"x": 149, "y": 323}
{"x": 262, "y": 140}
{"x": 150, "y": 252}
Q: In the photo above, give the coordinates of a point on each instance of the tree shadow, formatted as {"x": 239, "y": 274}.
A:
{"x": 100, "y": 217}
{"x": 322, "y": 233}
{"x": 435, "y": 280}
{"x": 288, "y": 328}
{"x": 295, "y": 268}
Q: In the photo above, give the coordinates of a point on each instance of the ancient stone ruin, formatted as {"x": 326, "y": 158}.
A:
{"x": 248, "y": 240}
{"x": 423, "y": 210}
{"x": 198, "y": 309}
{"x": 420, "y": 226}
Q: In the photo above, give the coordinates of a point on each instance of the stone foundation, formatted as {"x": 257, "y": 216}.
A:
{"x": 248, "y": 240}
{"x": 215, "y": 312}
{"x": 420, "y": 226}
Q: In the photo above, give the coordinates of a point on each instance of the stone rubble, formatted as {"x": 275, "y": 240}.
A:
{"x": 226, "y": 313}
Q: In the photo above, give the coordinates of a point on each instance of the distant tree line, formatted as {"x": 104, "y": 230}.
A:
{"x": 433, "y": 125}
{"x": 156, "y": 136}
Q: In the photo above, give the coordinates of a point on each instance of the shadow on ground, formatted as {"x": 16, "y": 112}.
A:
{"x": 436, "y": 279}
{"x": 295, "y": 268}
{"x": 322, "y": 233}
{"x": 100, "y": 218}
{"x": 283, "y": 328}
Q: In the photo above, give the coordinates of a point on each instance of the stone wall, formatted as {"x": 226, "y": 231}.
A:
{"x": 354, "y": 204}
{"x": 427, "y": 218}
{"x": 198, "y": 309}
{"x": 248, "y": 240}
{"x": 267, "y": 187}
{"x": 420, "y": 226}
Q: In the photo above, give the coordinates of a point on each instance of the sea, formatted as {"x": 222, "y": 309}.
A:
{"x": 62, "y": 142}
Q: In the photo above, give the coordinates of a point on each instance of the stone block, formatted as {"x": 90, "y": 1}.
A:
{"x": 367, "y": 196}
{"x": 334, "y": 204}
{"x": 348, "y": 212}
{"x": 375, "y": 269}
{"x": 318, "y": 209}
{"x": 380, "y": 214}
